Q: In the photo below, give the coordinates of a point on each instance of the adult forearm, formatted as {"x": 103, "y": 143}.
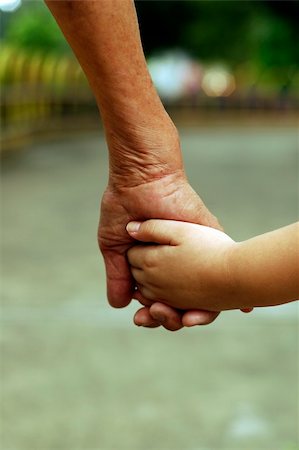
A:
{"x": 104, "y": 35}
{"x": 265, "y": 269}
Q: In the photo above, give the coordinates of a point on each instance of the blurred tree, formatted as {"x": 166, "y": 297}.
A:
{"x": 274, "y": 38}
{"x": 162, "y": 23}
{"x": 263, "y": 31}
{"x": 33, "y": 28}
{"x": 219, "y": 30}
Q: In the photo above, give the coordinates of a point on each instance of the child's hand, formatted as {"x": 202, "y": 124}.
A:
{"x": 189, "y": 269}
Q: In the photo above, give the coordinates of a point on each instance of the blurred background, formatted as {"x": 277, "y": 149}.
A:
{"x": 76, "y": 374}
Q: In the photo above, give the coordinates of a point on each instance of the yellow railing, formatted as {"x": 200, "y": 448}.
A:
{"x": 45, "y": 92}
{"x": 37, "y": 88}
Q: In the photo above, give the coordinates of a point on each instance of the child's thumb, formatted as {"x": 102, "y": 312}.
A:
{"x": 154, "y": 230}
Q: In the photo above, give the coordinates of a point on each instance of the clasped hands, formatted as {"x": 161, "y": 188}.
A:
{"x": 170, "y": 197}
{"x": 138, "y": 194}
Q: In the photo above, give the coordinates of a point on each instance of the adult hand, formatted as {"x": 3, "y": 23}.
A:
{"x": 140, "y": 197}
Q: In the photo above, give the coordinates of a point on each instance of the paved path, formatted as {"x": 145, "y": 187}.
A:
{"x": 77, "y": 375}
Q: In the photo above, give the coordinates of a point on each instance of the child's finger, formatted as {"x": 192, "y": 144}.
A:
{"x": 170, "y": 318}
{"x": 165, "y": 232}
{"x": 142, "y": 256}
{"x": 147, "y": 292}
{"x": 136, "y": 255}
{"x": 138, "y": 275}
{"x": 139, "y": 297}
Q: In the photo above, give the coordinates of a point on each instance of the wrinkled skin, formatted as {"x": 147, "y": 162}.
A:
{"x": 168, "y": 197}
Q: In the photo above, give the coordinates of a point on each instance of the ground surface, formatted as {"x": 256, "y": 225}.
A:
{"x": 76, "y": 375}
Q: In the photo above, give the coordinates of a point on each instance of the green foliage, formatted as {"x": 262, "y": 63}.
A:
{"x": 265, "y": 32}
{"x": 219, "y": 30}
{"x": 262, "y": 32}
{"x": 274, "y": 42}
{"x": 34, "y": 29}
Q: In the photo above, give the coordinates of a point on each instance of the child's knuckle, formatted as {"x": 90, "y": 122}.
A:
{"x": 148, "y": 260}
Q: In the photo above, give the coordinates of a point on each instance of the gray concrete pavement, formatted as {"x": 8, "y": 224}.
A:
{"x": 76, "y": 375}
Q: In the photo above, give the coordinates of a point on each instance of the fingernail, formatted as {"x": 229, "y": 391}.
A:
{"x": 133, "y": 227}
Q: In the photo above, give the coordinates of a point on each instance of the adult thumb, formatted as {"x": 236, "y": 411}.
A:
{"x": 156, "y": 231}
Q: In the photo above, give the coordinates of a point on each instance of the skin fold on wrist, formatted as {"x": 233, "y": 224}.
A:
{"x": 143, "y": 156}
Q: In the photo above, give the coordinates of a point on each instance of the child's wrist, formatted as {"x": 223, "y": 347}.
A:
{"x": 240, "y": 297}
{"x": 228, "y": 282}
{"x": 223, "y": 294}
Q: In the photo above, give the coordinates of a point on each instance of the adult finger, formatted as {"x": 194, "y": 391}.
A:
{"x": 143, "y": 318}
{"x": 120, "y": 283}
{"x": 198, "y": 317}
{"x": 168, "y": 317}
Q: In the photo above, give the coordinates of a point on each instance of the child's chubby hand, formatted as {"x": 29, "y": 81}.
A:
{"x": 182, "y": 264}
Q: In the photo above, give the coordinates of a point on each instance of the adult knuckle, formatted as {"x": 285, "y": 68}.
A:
{"x": 101, "y": 238}
{"x": 101, "y": 243}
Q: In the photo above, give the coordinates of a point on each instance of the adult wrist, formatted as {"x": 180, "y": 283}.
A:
{"x": 141, "y": 153}
{"x": 128, "y": 102}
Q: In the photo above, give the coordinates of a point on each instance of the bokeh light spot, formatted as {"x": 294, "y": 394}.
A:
{"x": 218, "y": 82}
{"x": 9, "y": 5}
